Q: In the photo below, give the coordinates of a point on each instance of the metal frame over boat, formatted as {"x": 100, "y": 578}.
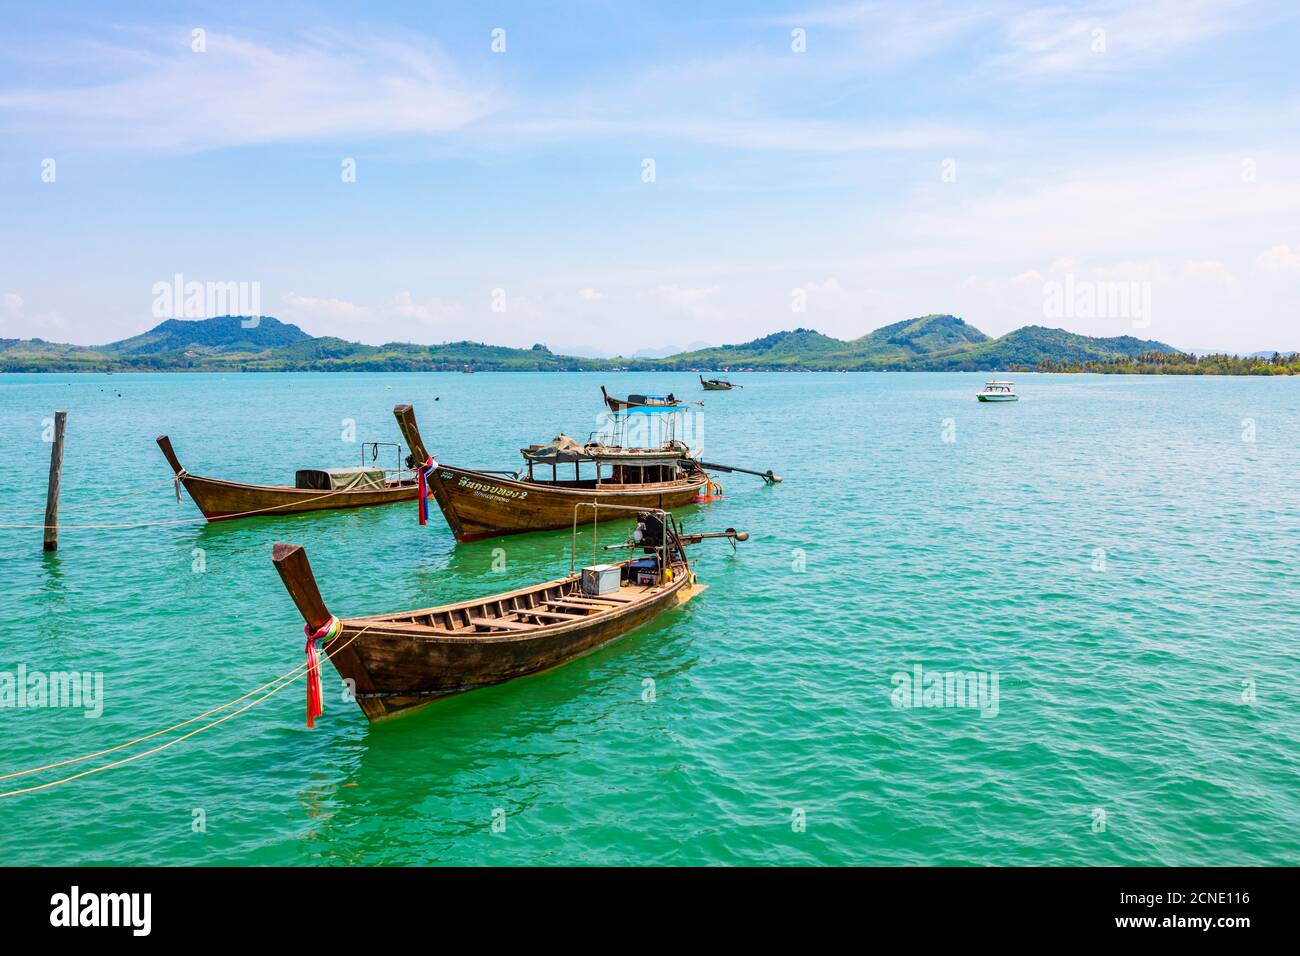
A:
{"x": 399, "y": 662}
{"x": 223, "y": 500}
{"x": 482, "y": 504}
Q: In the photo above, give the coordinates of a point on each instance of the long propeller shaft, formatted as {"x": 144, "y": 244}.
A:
{"x": 767, "y": 476}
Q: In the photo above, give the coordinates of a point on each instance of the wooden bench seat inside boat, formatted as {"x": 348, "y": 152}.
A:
{"x": 598, "y": 599}
{"x": 522, "y": 619}
{"x": 560, "y": 603}
{"x": 491, "y": 622}
{"x": 552, "y": 615}
{"x": 579, "y": 606}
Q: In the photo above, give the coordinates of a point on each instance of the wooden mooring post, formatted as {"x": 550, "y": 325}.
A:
{"x": 56, "y": 473}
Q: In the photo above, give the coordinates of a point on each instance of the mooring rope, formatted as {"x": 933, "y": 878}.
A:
{"x": 277, "y": 685}
{"x": 162, "y": 524}
{"x": 87, "y": 504}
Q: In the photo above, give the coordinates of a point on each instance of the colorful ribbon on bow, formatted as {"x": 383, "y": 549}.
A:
{"x": 425, "y": 473}
{"x": 326, "y": 632}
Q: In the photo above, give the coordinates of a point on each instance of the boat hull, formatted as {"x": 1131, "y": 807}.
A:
{"x": 478, "y": 505}
{"x": 998, "y": 398}
{"x": 226, "y": 500}
{"x": 397, "y": 667}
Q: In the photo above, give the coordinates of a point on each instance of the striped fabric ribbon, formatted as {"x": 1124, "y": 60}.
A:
{"x": 426, "y": 472}
{"x": 326, "y": 632}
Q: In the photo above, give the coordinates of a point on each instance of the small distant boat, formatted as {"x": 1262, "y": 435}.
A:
{"x": 998, "y": 392}
{"x": 315, "y": 489}
{"x": 717, "y": 384}
{"x": 399, "y": 662}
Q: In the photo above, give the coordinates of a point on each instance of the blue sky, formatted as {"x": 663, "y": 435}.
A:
{"x": 913, "y": 158}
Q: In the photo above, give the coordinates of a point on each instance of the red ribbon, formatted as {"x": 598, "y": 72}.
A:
{"x": 315, "y": 707}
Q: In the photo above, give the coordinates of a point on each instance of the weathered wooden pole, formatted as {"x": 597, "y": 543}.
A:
{"x": 56, "y": 473}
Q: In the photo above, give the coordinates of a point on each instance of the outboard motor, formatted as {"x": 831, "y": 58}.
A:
{"x": 649, "y": 533}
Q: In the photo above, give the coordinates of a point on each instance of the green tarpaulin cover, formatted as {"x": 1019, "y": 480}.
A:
{"x": 341, "y": 479}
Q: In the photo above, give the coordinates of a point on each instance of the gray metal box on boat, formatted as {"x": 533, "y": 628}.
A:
{"x": 600, "y": 579}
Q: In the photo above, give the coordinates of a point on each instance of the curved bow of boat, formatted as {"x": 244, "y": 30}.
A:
{"x": 169, "y": 453}
{"x": 405, "y": 416}
{"x": 296, "y": 574}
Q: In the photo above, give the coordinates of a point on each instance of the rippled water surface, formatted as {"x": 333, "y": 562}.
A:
{"x": 1113, "y": 550}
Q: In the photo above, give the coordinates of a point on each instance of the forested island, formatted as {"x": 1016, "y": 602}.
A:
{"x": 928, "y": 343}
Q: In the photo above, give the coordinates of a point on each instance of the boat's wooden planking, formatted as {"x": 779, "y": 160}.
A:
{"x": 223, "y": 500}
{"x": 399, "y": 662}
{"x": 478, "y": 505}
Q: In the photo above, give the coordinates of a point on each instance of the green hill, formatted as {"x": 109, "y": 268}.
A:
{"x": 229, "y": 343}
{"x": 1033, "y": 345}
{"x": 228, "y": 333}
{"x": 778, "y": 350}
{"x": 809, "y": 349}
{"x": 911, "y": 338}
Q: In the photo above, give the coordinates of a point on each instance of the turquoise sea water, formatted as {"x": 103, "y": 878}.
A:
{"x": 1114, "y": 550}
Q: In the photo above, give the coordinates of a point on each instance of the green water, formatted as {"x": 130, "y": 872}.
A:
{"x": 1112, "y": 549}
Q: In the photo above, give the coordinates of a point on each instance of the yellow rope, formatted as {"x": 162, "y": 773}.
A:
{"x": 156, "y": 733}
{"x": 283, "y": 681}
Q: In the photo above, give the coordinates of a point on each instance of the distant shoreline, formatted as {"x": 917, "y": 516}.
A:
{"x": 929, "y": 343}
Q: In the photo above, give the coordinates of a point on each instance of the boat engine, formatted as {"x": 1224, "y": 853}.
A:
{"x": 649, "y": 532}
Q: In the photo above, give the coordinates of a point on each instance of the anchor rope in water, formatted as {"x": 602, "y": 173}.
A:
{"x": 277, "y": 684}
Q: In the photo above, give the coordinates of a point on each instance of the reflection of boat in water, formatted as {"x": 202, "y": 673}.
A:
{"x": 998, "y": 392}
{"x": 717, "y": 384}
{"x": 399, "y": 662}
{"x": 483, "y": 504}
{"x": 315, "y": 489}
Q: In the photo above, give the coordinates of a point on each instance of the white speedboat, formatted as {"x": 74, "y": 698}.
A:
{"x": 998, "y": 392}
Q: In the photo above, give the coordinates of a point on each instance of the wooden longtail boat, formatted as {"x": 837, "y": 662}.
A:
{"x": 482, "y": 504}
{"x": 667, "y": 402}
{"x": 222, "y": 500}
{"x": 399, "y": 662}
{"x": 717, "y": 384}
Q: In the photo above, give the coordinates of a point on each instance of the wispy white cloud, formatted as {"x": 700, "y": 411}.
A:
{"x": 1279, "y": 261}
{"x": 238, "y": 92}
{"x": 1104, "y": 35}
{"x": 892, "y": 33}
{"x": 1074, "y": 36}
{"x": 335, "y": 311}
{"x": 19, "y": 320}
{"x": 373, "y": 322}
{"x": 158, "y": 94}
{"x": 698, "y": 304}
{"x": 770, "y": 133}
